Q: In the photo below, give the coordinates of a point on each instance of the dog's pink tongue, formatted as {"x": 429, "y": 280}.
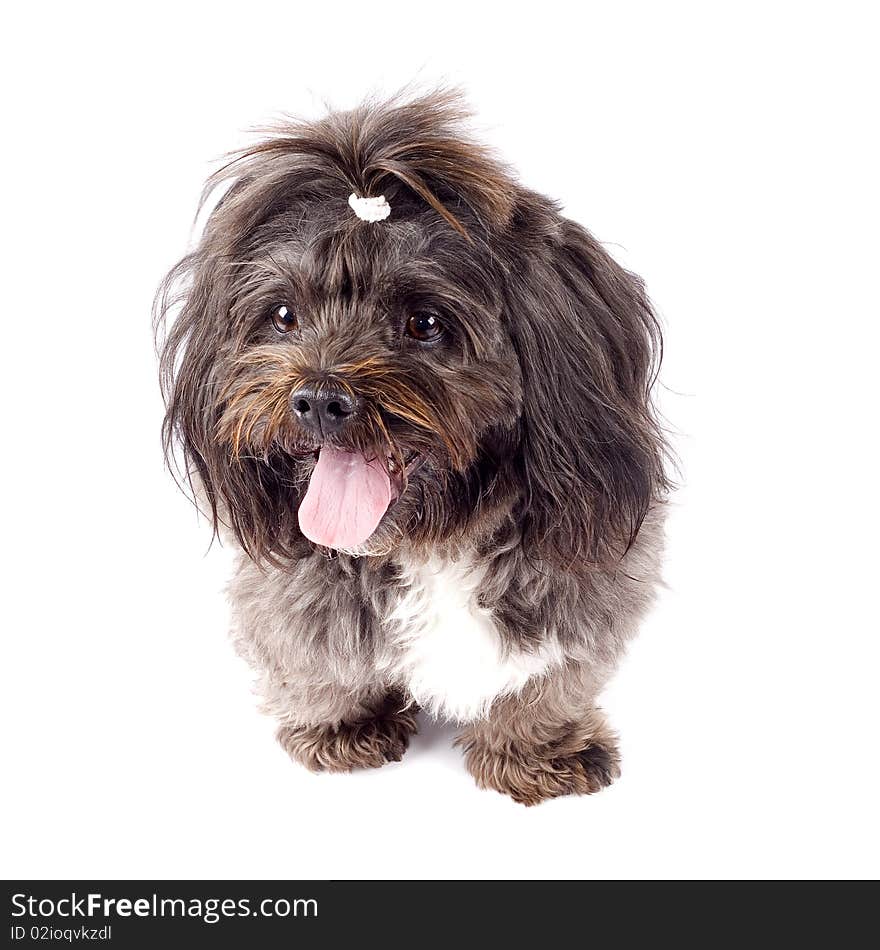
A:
{"x": 346, "y": 498}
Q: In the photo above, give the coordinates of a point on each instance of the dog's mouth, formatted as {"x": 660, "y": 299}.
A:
{"x": 349, "y": 492}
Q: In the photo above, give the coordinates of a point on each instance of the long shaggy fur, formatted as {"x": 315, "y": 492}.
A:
{"x": 540, "y": 462}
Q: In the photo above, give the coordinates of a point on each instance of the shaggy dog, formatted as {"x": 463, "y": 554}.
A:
{"x": 418, "y": 399}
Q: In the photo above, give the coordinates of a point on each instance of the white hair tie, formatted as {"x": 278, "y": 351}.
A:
{"x": 370, "y": 209}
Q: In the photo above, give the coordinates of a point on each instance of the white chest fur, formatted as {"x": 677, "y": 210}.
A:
{"x": 444, "y": 646}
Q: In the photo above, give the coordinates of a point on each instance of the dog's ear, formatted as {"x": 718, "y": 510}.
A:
{"x": 592, "y": 453}
{"x": 249, "y": 496}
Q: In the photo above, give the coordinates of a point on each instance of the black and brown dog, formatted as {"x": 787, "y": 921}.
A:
{"x": 419, "y": 400}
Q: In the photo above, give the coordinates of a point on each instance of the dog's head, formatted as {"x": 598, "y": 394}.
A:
{"x": 472, "y": 358}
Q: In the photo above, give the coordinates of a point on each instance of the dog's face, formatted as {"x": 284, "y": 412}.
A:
{"x": 360, "y": 384}
{"x": 370, "y": 362}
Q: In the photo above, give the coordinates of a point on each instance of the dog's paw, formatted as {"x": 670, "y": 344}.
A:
{"x": 531, "y": 776}
{"x": 365, "y": 744}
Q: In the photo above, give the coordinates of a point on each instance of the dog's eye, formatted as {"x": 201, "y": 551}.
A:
{"x": 424, "y": 327}
{"x": 283, "y": 319}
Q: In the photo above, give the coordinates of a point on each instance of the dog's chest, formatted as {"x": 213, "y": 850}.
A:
{"x": 444, "y": 648}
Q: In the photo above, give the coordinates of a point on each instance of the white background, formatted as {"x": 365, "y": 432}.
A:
{"x": 729, "y": 156}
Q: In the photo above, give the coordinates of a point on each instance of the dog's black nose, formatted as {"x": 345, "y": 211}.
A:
{"x": 322, "y": 411}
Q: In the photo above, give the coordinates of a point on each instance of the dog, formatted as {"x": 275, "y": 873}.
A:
{"x": 419, "y": 402}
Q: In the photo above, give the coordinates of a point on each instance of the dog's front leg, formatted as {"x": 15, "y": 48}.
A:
{"x": 360, "y": 729}
{"x": 545, "y": 741}
{"x": 307, "y": 636}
